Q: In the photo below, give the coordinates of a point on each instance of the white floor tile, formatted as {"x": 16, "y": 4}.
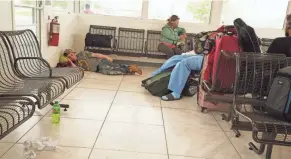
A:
{"x": 85, "y": 109}
{"x": 4, "y": 147}
{"x": 132, "y": 137}
{"x": 189, "y": 140}
{"x": 69, "y": 132}
{"x": 16, "y": 134}
{"x": 135, "y": 98}
{"x": 136, "y": 114}
{"x": 110, "y": 154}
{"x": 17, "y": 152}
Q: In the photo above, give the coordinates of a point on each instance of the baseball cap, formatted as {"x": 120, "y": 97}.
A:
{"x": 67, "y": 51}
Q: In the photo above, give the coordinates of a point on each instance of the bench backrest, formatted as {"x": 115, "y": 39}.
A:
{"x": 23, "y": 43}
{"x": 8, "y": 77}
{"x": 131, "y": 40}
{"x": 256, "y": 72}
{"x": 152, "y": 42}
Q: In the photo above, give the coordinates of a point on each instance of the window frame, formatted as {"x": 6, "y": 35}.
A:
{"x": 37, "y": 12}
{"x": 181, "y": 20}
{"x": 70, "y": 8}
{"x": 80, "y": 10}
{"x": 288, "y": 9}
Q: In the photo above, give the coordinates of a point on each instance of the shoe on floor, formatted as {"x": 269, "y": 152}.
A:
{"x": 135, "y": 69}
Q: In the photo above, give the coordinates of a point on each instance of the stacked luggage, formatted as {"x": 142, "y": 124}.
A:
{"x": 217, "y": 76}
{"x": 218, "y": 71}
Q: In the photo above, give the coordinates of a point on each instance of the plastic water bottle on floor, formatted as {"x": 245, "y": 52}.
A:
{"x": 56, "y": 112}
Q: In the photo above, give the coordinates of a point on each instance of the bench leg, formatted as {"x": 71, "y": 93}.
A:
{"x": 261, "y": 150}
{"x": 269, "y": 151}
{"x": 254, "y": 148}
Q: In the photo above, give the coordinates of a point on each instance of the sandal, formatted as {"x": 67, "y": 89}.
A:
{"x": 169, "y": 97}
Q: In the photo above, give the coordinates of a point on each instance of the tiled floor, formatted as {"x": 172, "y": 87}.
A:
{"x": 113, "y": 117}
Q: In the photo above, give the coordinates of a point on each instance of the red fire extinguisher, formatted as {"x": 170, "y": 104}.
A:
{"x": 54, "y": 33}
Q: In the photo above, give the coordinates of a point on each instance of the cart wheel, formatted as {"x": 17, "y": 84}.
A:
{"x": 223, "y": 116}
{"x": 237, "y": 133}
{"x": 204, "y": 110}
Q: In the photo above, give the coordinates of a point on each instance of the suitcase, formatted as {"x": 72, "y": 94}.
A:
{"x": 279, "y": 98}
{"x": 158, "y": 85}
{"x": 218, "y": 73}
{"x": 223, "y": 71}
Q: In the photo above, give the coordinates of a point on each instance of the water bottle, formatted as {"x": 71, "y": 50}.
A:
{"x": 56, "y": 112}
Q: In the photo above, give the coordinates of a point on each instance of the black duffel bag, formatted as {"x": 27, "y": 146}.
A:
{"x": 158, "y": 85}
{"x": 97, "y": 40}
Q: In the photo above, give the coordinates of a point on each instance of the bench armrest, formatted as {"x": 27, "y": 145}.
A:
{"x": 33, "y": 58}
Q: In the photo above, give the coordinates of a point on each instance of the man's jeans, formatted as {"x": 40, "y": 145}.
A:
{"x": 184, "y": 64}
{"x": 108, "y": 68}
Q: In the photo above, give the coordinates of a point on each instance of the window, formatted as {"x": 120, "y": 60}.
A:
{"x": 63, "y": 5}
{"x": 127, "y": 8}
{"x": 197, "y": 11}
{"x": 26, "y": 15}
{"x": 25, "y": 19}
{"x": 256, "y": 13}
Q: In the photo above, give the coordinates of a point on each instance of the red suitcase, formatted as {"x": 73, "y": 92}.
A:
{"x": 218, "y": 74}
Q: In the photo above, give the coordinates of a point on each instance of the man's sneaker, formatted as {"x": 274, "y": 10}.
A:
{"x": 135, "y": 69}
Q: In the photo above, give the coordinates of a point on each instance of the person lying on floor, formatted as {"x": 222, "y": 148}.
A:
{"x": 96, "y": 62}
{"x": 183, "y": 65}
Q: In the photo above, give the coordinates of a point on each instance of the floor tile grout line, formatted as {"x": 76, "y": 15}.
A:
{"x": 227, "y": 136}
{"x": 165, "y": 132}
{"x": 127, "y": 151}
{"x": 104, "y": 120}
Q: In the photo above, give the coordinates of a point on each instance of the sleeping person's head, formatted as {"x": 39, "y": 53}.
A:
{"x": 71, "y": 54}
{"x": 173, "y": 21}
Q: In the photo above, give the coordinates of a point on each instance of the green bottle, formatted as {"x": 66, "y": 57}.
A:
{"x": 56, "y": 112}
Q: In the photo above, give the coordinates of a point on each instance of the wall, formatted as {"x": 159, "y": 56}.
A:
{"x": 67, "y": 30}
{"x": 5, "y": 9}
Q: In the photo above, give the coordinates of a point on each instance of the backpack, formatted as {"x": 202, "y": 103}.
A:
{"x": 279, "y": 98}
{"x": 96, "y": 40}
{"x": 203, "y": 42}
{"x": 247, "y": 37}
{"x": 158, "y": 84}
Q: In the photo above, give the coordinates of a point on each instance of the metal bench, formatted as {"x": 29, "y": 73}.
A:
{"x": 151, "y": 45}
{"x": 28, "y": 62}
{"x": 254, "y": 77}
{"x": 131, "y": 42}
{"x": 42, "y": 90}
{"x": 14, "y": 112}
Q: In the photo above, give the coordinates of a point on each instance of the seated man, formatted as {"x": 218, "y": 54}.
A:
{"x": 96, "y": 62}
{"x": 184, "y": 64}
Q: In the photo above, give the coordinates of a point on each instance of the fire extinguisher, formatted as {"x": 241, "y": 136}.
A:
{"x": 54, "y": 33}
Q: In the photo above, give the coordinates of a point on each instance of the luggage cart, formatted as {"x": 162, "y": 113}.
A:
{"x": 254, "y": 76}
